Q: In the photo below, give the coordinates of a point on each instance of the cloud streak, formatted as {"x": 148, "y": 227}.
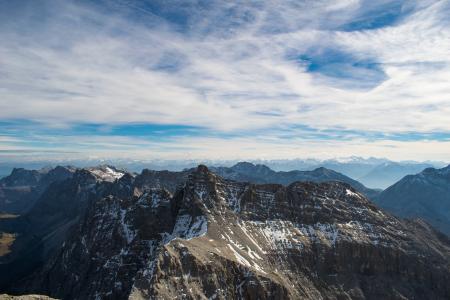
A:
{"x": 235, "y": 71}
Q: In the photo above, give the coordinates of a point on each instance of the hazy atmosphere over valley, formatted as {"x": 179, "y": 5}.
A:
{"x": 212, "y": 149}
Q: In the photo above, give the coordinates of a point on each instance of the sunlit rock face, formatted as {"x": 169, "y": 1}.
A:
{"x": 220, "y": 239}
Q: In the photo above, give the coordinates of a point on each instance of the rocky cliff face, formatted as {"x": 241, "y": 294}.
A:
{"x": 220, "y": 239}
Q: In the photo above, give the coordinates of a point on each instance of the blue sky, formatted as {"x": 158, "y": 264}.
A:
{"x": 225, "y": 79}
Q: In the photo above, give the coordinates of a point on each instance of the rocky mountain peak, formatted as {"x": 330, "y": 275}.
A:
{"x": 201, "y": 179}
{"x": 202, "y": 170}
{"x": 106, "y": 173}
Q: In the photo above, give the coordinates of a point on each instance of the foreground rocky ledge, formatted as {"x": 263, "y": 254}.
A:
{"x": 25, "y": 297}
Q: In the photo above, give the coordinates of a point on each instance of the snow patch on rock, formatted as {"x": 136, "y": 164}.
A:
{"x": 352, "y": 194}
{"x": 187, "y": 227}
{"x": 128, "y": 233}
{"x": 106, "y": 173}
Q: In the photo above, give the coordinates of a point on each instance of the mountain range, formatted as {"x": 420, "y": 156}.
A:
{"x": 245, "y": 171}
{"x": 109, "y": 234}
{"x": 376, "y": 173}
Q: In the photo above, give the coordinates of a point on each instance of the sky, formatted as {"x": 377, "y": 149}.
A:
{"x": 225, "y": 79}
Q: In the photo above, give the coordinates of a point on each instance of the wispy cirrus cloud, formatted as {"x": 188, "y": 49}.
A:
{"x": 336, "y": 73}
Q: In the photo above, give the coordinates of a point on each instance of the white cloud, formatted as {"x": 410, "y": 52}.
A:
{"x": 238, "y": 148}
{"x": 81, "y": 65}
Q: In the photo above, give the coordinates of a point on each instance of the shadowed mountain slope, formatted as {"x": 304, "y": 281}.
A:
{"x": 425, "y": 195}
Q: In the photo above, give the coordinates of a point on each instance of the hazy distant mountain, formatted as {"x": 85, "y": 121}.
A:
{"x": 376, "y": 173}
{"x": 220, "y": 239}
{"x": 245, "y": 171}
{"x": 22, "y": 188}
{"x": 353, "y": 167}
{"x": 385, "y": 174}
{"x": 425, "y": 195}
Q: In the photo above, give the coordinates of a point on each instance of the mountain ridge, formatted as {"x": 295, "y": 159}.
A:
{"x": 245, "y": 171}
{"x": 224, "y": 239}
